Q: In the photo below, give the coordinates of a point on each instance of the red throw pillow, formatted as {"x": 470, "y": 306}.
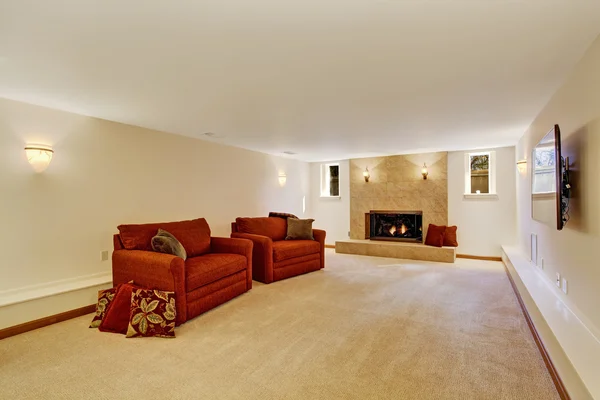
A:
{"x": 450, "y": 236}
{"x": 105, "y": 297}
{"x": 152, "y": 313}
{"x": 435, "y": 235}
{"x": 117, "y": 315}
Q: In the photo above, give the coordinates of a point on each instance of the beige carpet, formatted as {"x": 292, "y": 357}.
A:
{"x": 364, "y": 328}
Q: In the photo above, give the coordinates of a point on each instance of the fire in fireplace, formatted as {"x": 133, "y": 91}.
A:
{"x": 394, "y": 225}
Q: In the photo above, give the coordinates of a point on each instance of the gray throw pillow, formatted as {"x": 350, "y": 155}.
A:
{"x": 299, "y": 229}
{"x": 166, "y": 243}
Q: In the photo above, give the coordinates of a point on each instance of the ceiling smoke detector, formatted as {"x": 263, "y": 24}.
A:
{"x": 289, "y": 153}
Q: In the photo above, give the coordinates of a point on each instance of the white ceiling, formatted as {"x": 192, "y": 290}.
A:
{"x": 327, "y": 79}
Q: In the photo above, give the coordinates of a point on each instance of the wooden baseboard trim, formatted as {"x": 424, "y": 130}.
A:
{"x": 42, "y": 322}
{"x": 483, "y": 258}
{"x": 330, "y": 246}
{"x": 558, "y": 383}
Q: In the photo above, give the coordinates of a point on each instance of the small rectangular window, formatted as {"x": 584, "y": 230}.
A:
{"x": 480, "y": 173}
{"x": 330, "y": 180}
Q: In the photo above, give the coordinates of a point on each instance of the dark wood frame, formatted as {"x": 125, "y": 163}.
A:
{"x": 558, "y": 166}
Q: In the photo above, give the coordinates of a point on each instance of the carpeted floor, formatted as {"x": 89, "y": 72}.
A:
{"x": 363, "y": 328}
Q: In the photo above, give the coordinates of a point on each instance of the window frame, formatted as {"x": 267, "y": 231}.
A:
{"x": 326, "y": 180}
{"x": 491, "y": 175}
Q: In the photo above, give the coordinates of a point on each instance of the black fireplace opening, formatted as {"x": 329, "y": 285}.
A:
{"x": 401, "y": 226}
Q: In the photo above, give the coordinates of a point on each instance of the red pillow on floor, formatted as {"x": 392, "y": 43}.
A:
{"x": 435, "y": 235}
{"x": 105, "y": 297}
{"x": 116, "y": 318}
{"x": 450, "y": 236}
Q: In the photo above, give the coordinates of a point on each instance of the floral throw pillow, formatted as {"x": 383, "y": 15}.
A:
{"x": 105, "y": 297}
{"x": 152, "y": 314}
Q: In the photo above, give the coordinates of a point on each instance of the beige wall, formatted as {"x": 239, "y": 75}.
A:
{"x": 486, "y": 223}
{"x": 396, "y": 183}
{"x": 575, "y": 251}
{"x": 54, "y": 225}
{"x": 331, "y": 213}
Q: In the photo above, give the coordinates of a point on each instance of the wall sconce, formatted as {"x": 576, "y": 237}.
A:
{"x": 522, "y": 165}
{"x": 424, "y": 171}
{"x": 366, "y": 174}
{"x": 282, "y": 179}
{"x": 39, "y": 156}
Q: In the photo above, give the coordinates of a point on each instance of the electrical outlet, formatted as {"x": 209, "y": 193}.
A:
{"x": 104, "y": 255}
{"x": 564, "y": 286}
{"x": 542, "y": 263}
{"x": 348, "y": 233}
{"x": 558, "y": 279}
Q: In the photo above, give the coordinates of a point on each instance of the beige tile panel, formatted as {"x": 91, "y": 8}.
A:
{"x": 377, "y": 170}
{"x": 400, "y": 170}
{"x": 369, "y": 190}
{"x": 396, "y": 184}
{"x": 396, "y": 250}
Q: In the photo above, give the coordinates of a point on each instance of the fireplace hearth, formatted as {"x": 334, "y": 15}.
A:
{"x": 405, "y": 226}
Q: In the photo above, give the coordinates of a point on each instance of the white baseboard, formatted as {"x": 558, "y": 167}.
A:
{"x": 29, "y": 303}
{"x": 568, "y": 336}
{"x": 33, "y": 292}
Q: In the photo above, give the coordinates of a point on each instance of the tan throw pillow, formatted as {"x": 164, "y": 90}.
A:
{"x": 299, "y": 229}
{"x": 166, "y": 243}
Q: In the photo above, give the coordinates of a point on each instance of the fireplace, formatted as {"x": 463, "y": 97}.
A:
{"x": 406, "y": 226}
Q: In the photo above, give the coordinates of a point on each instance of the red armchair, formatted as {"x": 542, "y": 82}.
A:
{"x": 216, "y": 270}
{"x": 273, "y": 257}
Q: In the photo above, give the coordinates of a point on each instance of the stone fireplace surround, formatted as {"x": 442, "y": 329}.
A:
{"x": 396, "y": 183}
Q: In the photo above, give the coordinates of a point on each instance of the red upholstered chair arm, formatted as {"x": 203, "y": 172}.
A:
{"x": 231, "y": 245}
{"x": 242, "y": 247}
{"x": 319, "y": 236}
{"x": 152, "y": 271}
{"x": 262, "y": 255}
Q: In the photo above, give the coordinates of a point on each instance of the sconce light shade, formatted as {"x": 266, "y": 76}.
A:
{"x": 424, "y": 171}
{"x": 366, "y": 174}
{"x": 39, "y": 156}
{"x": 522, "y": 165}
{"x": 282, "y": 179}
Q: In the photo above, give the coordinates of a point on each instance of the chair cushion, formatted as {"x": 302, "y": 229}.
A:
{"x": 194, "y": 235}
{"x": 209, "y": 268}
{"x": 273, "y": 227}
{"x": 287, "y": 249}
